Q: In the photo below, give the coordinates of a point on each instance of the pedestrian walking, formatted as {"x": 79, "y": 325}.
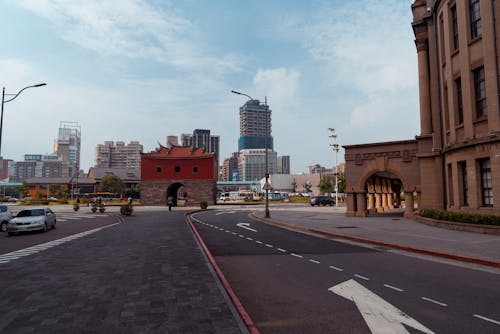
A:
{"x": 170, "y": 202}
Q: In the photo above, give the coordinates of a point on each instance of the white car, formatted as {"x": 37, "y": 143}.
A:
{"x": 32, "y": 220}
{"x": 5, "y": 217}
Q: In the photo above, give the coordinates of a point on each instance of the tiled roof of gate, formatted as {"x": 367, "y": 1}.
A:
{"x": 178, "y": 152}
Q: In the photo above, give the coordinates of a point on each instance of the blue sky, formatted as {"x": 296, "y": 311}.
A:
{"x": 141, "y": 70}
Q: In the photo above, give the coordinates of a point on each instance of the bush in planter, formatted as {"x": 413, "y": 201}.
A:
{"x": 461, "y": 217}
{"x": 93, "y": 207}
{"x": 203, "y": 205}
{"x": 126, "y": 209}
{"x": 76, "y": 207}
{"x": 101, "y": 207}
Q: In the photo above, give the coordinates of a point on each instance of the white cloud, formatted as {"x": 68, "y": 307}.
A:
{"x": 131, "y": 28}
{"x": 281, "y": 84}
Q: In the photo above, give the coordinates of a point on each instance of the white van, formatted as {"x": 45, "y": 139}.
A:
{"x": 5, "y": 217}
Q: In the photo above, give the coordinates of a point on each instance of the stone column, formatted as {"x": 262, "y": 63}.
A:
{"x": 385, "y": 206}
{"x": 390, "y": 201}
{"x": 378, "y": 195}
{"x": 351, "y": 205}
{"x": 361, "y": 205}
{"x": 408, "y": 204}
{"x": 371, "y": 203}
{"x": 398, "y": 199}
{"x": 424, "y": 90}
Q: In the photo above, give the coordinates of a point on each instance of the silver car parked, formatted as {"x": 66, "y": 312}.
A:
{"x": 32, "y": 220}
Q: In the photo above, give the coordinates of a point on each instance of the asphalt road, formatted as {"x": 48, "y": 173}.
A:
{"x": 283, "y": 279}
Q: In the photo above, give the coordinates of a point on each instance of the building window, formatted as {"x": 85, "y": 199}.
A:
{"x": 177, "y": 169}
{"x": 195, "y": 169}
{"x": 480, "y": 92}
{"x": 454, "y": 26}
{"x": 486, "y": 186}
{"x": 450, "y": 186}
{"x": 460, "y": 107}
{"x": 475, "y": 18}
{"x": 158, "y": 169}
{"x": 464, "y": 187}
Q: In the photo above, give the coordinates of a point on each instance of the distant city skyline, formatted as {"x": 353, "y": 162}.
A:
{"x": 143, "y": 69}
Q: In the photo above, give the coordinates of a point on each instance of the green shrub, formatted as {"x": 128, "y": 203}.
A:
{"x": 461, "y": 217}
{"x": 126, "y": 209}
{"x": 203, "y": 205}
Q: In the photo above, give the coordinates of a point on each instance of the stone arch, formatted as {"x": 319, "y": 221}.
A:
{"x": 172, "y": 191}
{"x": 373, "y": 168}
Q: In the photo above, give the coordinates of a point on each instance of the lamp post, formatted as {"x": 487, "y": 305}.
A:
{"x": 266, "y": 185}
{"x": 5, "y": 101}
{"x": 336, "y": 149}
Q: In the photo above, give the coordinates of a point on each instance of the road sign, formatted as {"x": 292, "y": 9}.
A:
{"x": 267, "y": 186}
{"x": 380, "y": 316}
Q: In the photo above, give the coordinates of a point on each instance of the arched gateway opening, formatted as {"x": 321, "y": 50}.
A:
{"x": 173, "y": 192}
{"x": 381, "y": 177}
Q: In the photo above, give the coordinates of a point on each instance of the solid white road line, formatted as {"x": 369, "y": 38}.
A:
{"x": 314, "y": 261}
{"x": 362, "y": 277}
{"x": 336, "y": 268}
{"x": 393, "y": 288}
{"x": 434, "y": 301}
{"x": 487, "y": 319}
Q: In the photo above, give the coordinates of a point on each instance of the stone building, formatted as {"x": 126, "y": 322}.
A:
{"x": 454, "y": 163}
{"x": 180, "y": 173}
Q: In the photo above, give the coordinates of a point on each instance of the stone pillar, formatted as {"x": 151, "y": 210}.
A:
{"x": 361, "y": 205}
{"x": 408, "y": 204}
{"x": 424, "y": 90}
{"x": 390, "y": 201}
{"x": 378, "y": 195}
{"x": 351, "y": 205}
{"x": 384, "y": 202}
{"x": 371, "y": 203}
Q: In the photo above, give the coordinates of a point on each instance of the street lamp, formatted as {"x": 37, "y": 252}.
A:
{"x": 5, "y": 101}
{"x": 336, "y": 149}
{"x": 266, "y": 185}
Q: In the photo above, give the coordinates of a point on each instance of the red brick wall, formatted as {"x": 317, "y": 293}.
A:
{"x": 165, "y": 169}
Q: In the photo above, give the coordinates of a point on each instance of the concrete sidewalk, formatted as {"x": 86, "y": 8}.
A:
{"x": 390, "y": 229}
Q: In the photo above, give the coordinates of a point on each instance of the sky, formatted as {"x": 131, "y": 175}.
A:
{"x": 145, "y": 69}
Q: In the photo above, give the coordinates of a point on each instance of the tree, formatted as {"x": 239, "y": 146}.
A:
{"x": 325, "y": 184}
{"x": 112, "y": 183}
{"x": 341, "y": 182}
{"x": 294, "y": 186}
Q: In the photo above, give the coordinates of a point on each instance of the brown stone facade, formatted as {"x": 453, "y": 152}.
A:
{"x": 154, "y": 192}
{"x": 377, "y": 174}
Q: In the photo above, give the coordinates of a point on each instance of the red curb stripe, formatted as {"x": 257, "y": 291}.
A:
{"x": 462, "y": 258}
{"x": 241, "y": 309}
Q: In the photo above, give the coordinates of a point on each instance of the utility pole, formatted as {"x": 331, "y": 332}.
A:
{"x": 336, "y": 149}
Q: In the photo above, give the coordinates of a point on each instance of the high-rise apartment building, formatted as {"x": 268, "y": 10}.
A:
{"x": 37, "y": 165}
{"x": 202, "y": 138}
{"x": 109, "y": 155}
{"x": 67, "y": 147}
{"x": 255, "y": 126}
{"x": 229, "y": 168}
{"x": 172, "y": 141}
{"x": 252, "y": 164}
{"x": 283, "y": 164}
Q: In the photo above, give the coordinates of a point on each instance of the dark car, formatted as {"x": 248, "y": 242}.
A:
{"x": 321, "y": 200}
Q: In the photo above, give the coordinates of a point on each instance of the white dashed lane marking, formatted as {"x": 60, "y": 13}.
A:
{"x": 336, "y": 268}
{"x": 296, "y": 255}
{"x": 434, "y": 301}
{"x": 487, "y": 319}
{"x": 393, "y": 288}
{"x": 314, "y": 261}
{"x": 5, "y": 258}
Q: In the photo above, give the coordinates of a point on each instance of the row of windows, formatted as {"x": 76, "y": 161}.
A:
{"x": 177, "y": 169}
{"x": 474, "y": 22}
{"x": 479, "y": 98}
{"x": 486, "y": 186}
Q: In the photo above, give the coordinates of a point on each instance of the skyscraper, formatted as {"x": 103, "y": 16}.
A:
{"x": 255, "y": 126}
{"x": 283, "y": 164}
{"x": 202, "y": 138}
{"x": 119, "y": 156}
{"x": 67, "y": 147}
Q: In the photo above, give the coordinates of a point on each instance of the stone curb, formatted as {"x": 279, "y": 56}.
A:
{"x": 476, "y": 228}
{"x": 456, "y": 257}
{"x": 225, "y": 283}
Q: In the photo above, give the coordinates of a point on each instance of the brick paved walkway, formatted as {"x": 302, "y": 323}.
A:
{"x": 146, "y": 275}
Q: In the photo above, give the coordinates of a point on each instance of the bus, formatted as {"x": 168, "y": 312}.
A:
{"x": 104, "y": 195}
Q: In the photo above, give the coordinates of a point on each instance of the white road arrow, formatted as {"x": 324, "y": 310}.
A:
{"x": 380, "y": 316}
{"x": 246, "y": 226}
